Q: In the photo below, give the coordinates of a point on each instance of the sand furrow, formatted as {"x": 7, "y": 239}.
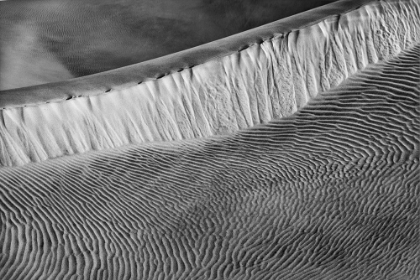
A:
{"x": 329, "y": 192}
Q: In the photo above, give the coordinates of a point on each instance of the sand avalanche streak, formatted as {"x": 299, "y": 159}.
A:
{"x": 216, "y": 89}
{"x": 327, "y": 190}
{"x": 328, "y": 193}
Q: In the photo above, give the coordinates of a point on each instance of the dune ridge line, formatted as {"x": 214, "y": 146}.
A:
{"x": 217, "y": 97}
{"x": 330, "y": 192}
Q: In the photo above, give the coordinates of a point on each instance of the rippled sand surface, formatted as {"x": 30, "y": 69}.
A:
{"x": 329, "y": 193}
{"x": 319, "y": 184}
{"x": 215, "y": 89}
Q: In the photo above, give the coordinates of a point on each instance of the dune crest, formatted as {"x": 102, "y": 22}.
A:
{"x": 328, "y": 193}
{"x": 267, "y": 79}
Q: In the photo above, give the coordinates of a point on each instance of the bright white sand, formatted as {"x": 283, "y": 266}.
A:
{"x": 264, "y": 81}
{"x": 328, "y": 193}
{"x": 327, "y": 190}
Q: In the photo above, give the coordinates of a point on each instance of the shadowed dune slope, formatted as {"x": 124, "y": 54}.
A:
{"x": 214, "y": 89}
{"x": 328, "y": 193}
{"x": 73, "y": 38}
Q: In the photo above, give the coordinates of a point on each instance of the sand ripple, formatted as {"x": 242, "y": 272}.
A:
{"x": 328, "y": 193}
{"x": 266, "y": 79}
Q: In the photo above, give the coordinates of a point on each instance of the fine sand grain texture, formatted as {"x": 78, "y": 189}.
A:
{"x": 330, "y": 192}
{"x": 290, "y": 151}
{"x": 214, "y": 89}
{"x": 91, "y": 36}
{"x": 25, "y": 61}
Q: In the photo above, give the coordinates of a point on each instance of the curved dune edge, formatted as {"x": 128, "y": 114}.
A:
{"x": 220, "y": 96}
{"x": 329, "y": 193}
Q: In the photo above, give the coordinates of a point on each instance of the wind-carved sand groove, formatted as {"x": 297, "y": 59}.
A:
{"x": 328, "y": 193}
{"x": 269, "y": 78}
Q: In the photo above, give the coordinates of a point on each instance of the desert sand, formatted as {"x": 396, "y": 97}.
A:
{"x": 266, "y": 155}
{"x": 74, "y": 38}
{"x": 214, "y": 89}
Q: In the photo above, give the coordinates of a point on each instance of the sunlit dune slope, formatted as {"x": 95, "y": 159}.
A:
{"x": 290, "y": 151}
{"x": 328, "y": 193}
{"x": 219, "y": 88}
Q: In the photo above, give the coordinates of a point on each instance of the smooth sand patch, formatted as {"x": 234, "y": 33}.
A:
{"x": 91, "y": 36}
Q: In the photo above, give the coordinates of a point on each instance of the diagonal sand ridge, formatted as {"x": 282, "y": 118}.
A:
{"x": 328, "y": 193}
{"x": 215, "y": 89}
{"x": 83, "y": 37}
{"x": 290, "y": 151}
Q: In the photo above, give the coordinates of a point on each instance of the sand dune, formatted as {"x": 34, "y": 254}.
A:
{"x": 92, "y": 36}
{"x": 27, "y": 62}
{"x": 224, "y": 86}
{"x": 328, "y": 193}
{"x": 290, "y": 151}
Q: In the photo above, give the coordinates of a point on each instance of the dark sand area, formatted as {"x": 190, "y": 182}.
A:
{"x": 52, "y": 40}
{"x": 290, "y": 151}
{"x": 328, "y": 193}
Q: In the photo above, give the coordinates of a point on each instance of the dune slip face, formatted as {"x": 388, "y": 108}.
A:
{"x": 330, "y": 192}
{"x": 271, "y": 77}
{"x": 290, "y": 151}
